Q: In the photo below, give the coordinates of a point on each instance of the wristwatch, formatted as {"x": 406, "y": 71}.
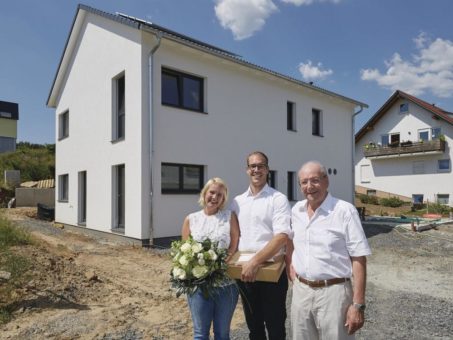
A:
{"x": 360, "y": 306}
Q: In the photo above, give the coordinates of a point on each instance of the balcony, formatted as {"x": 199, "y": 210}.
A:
{"x": 404, "y": 149}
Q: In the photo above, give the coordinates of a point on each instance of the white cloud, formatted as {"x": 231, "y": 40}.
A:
{"x": 313, "y": 72}
{"x": 244, "y": 17}
{"x": 431, "y": 69}
{"x": 308, "y": 2}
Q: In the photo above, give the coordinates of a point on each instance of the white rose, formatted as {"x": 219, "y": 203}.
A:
{"x": 199, "y": 271}
{"x": 201, "y": 262}
{"x": 179, "y": 273}
{"x": 212, "y": 254}
{"x": 185, "y": 247}
{"x": 200, "y": 256}
{"x": 197, "y": 247}
{"x": 183, "y": 260}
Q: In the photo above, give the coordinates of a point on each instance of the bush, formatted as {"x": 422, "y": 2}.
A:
{"x": 366, "y": 199}
{"x": 393, "y": 202}
{"x": 436, "y": 208}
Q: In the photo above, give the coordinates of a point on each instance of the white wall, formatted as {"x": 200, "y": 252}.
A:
{"x": 395, "y": 175}
{"x": 106, "y": 50}
{"x": 246, "y": 112}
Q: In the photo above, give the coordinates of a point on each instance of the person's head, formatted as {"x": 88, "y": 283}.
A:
{"x": 314, "y": 182}
{"x": 257, "y": 169}
{"x": 214, "y": 194}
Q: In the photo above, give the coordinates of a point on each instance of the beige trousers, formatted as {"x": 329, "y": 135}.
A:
{"x": 320, "y": 313}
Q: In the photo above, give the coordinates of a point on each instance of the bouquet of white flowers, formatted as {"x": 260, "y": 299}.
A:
{"x": 197, "y": 265}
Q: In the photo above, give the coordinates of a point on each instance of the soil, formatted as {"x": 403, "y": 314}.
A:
{"x": 85, "y": 288}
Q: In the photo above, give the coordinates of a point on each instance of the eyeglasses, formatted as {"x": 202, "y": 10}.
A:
{"x": 260, "y": 166}
{"x": 313, "y": 181}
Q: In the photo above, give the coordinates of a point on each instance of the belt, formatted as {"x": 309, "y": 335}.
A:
{"x": 322, "y": 283}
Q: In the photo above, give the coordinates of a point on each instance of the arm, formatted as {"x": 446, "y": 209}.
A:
{"x": 250, "y": 268}
{"x": 234, "y": 235}
{"x": 288, "y": 260}
{"x": 354, "y": 317}
{"x": 185, "y": 232}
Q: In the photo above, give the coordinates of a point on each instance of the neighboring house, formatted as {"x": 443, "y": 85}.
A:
{"x": 146, "y": 115}
{"x": 406, "y": 149}
{"x": 9, "y": 115}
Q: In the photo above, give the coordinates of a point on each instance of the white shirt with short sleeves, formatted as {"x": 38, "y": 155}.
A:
{"x": 324, "y": 244}
{"x": 262, "y": 216}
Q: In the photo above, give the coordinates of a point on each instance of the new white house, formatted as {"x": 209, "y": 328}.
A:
{"x": 406, "y": 149}
{"x": 145, "y": 116}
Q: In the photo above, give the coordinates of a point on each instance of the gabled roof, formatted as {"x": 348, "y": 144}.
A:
{"x": 177, "y": 37}
{"x": 431, "y": 108}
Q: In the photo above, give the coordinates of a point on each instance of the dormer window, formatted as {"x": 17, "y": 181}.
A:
{"x": 404, "y": 108}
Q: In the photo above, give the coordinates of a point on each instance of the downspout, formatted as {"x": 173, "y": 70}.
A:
{"x": 353, "y": 153}
{"x": 151, "y": 133}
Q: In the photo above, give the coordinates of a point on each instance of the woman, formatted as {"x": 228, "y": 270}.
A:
{"x": 217, "y": 224}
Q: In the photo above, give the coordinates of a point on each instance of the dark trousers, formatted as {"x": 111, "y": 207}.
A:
{"x": 264, "y": 305}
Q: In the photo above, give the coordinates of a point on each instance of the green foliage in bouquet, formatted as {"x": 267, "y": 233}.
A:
{"x": 197, "y": 265}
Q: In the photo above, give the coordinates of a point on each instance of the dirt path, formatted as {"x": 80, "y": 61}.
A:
{"x": 83, "y": 288}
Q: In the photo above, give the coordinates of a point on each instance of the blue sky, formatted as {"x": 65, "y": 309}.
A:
{"x": 363, "y": 49}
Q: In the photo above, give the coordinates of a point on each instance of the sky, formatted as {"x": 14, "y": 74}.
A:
{"x": 361, "y": 49}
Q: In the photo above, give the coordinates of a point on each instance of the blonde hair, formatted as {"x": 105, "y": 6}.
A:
{"x": 215, "y": 180}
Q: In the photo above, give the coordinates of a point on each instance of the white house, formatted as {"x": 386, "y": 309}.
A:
{"x": 146, "y": 115}
{"x": 406, "y": 149}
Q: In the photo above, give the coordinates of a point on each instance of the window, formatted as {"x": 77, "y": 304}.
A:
{"x": 404, "y": 108}
{"x": 443, "y": 198}
{"x": 82, "y": 204}
{"x": 272, "y": 179}
{"x": 290, "y": 116}
{"x": 182, "y": 90}
{"x": 385, "y": 140}
{"x": 443, "y": 165}
{"x": 423, "y": 135}
{"x": 418, "y": 167}
{"x": 182, "y": 178}
{"x": 371, "y": 192}
{"x": 291, "y": 186}
{"x": 119, "y": 107}
{"x": 63, "y": 188}
{"x": 63, "y": 125}
{"x": 394, "y": 139}
{"x": 435, "y": 133}
{"x": 316, "y": 127}
{"x": 417, "y": 198}
{"x": 119, "y": 197}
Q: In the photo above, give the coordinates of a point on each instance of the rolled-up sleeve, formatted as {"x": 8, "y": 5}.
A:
{"x": 281, "y": 220}
{"x": 356, "y": 241}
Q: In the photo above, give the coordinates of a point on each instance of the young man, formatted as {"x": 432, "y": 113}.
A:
{"x": 329, "y": 247}
{"x": 264, "y": 221}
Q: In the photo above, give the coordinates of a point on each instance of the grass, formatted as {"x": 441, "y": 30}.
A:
{"x": 17, "y": 266}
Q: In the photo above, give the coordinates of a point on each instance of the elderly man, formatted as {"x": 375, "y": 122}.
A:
{"x": 329, "y": 247}
{"x": 264, "y": 221}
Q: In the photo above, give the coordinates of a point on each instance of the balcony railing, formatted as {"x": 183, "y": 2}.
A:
{"x": 404, "y": 148}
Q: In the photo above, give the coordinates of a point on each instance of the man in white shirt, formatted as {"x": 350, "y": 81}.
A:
{"x": 264, "y": 220}
{"x": 329, "y": 247}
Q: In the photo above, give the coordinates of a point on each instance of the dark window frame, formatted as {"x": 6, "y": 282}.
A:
{"x": 316, "y": 122}
{"x": 181, "y": 189}
{"x": 291, "y": 116}
{"x": 119, "y": 107}
{"x": 63, "y": 188}
{"x": 180, "y": 76}
{"x": 291, "y": 191}
{"x": 63, "y": 125}
{"x": 272, "y": 179}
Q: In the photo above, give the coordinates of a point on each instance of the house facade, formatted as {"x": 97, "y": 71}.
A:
{"x": 145, "y": 116}
{"x": 406, "y": 149}
{"x": 9, "y": 115}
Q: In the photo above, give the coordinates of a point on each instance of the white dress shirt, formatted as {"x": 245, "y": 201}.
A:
{"x": 262, "y": 216}
{"x": 324, "y": 244}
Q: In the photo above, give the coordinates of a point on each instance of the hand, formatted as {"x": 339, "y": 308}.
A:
{"x": 291, "y": 273}
{"x": 249, "y": 271}
{"x": 354, "y": 319}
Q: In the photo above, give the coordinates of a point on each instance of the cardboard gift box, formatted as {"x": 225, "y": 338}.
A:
{"x": 269, "y": 271}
